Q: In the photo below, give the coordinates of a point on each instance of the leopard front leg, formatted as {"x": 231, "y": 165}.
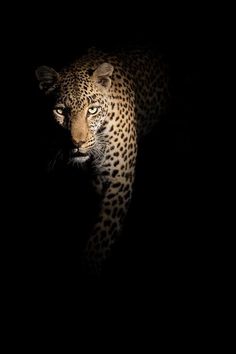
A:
{"x": 114, "y": 207}
{"x": 115, "y": 183}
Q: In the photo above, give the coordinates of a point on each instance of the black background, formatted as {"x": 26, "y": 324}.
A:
{"x": 162, "y": 245}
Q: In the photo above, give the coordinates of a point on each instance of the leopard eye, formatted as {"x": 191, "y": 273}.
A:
{"x": 59, "y": 111}
{"x": 93, "y": 110}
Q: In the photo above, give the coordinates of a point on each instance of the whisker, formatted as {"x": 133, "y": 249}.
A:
{"x": 51, "y": 164}
{"x": 98, "y": 151}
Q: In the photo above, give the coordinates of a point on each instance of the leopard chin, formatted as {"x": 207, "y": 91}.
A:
{"x": 79, "y": 159}
{"x": 76, "y": 156}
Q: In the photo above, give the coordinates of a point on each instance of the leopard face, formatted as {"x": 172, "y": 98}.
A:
{"x": 84, "y": 120}
{"x": 81, "y": 105}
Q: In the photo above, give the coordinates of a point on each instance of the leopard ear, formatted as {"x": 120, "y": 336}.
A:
{"x": 101, "y": 76}
{"x": 47, "y": 78}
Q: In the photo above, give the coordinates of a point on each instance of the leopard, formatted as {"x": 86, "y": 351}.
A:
{"x": 107, "y": 102}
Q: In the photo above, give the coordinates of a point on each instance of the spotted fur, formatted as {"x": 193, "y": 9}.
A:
{"x": 107, "y": 102}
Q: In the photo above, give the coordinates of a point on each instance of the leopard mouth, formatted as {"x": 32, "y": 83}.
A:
{"x": 78, "y": 156}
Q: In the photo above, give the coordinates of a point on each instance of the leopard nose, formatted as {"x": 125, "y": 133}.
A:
{"x": 78, "y": 143}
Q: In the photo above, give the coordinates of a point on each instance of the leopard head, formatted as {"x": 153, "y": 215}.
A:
{"x": 81, "y": 104}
